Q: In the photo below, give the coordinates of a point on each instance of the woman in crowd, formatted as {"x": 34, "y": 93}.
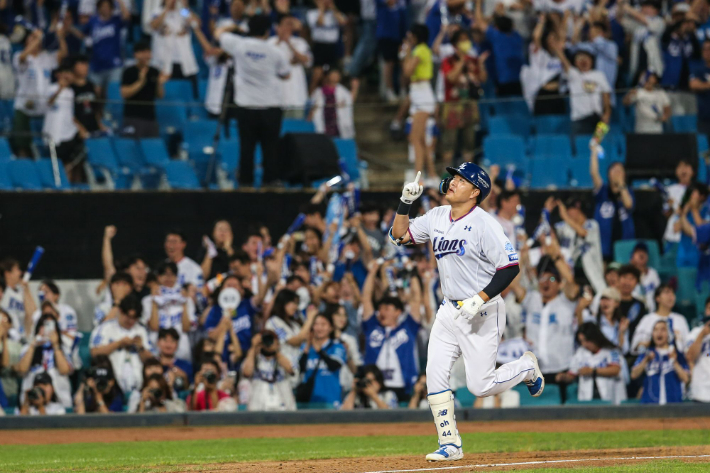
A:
{"x": 368, "y": 391}
{"x": 339, "y": 316}
{"x": 269, "y": 370}
{"x": 157, "y": 396}
{"x": 320, "y": 364}
{"x": 598, "y": 367}
{"x": 217, "y": 251}
{"x": 665, "y": 368}
{"x": 608, "y": 318}
{"x": 41, "y": 398}
{"x": 332, "y": 112}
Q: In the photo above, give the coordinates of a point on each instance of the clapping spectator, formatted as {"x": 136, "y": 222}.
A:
{"x": 43, "y": 353}
{"x": 677, "y": 325}
{"x": 320, "y": 364}
{"x": 125, "y": 341}
{"x": 665, "y": 368}
{"x": 157, "y": 396}
{"x": 332, "y": 111}
{"x": 650, "y": 281}
{"x": 141, "y": 84}
{"x": 693, "y": 213}
{"x": 99, "y": 392}
{"x": 87, "y": 111}
{"x": 14, "y": 293}
{"x": 269, "y": 370}
{"x": 369, "y": 392}
{"x": 325, "y": 23}
{"x": 49, "y": 293}
{"x": 698, "y": 356}
{"x": 653, "y": 107}
{"x": 41, "y": 399}
{"x": 298, "y": 53}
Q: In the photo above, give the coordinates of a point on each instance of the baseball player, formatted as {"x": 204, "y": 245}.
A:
{"x": 476, "y": 262}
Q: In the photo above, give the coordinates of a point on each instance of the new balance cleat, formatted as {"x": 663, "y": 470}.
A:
{"x": 446, "y": 453}
{"x": 537, "y": 384}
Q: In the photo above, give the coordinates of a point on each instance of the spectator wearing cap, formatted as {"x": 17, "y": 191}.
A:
{"x": 580, "y": 240}
{"x": 590, "y": 92}
{"x": 700, "y": 85}
{"x": 48, "y": 292}
{"x": 646, "y": 26}
{"x": 677, "y": 324}
{"x": 120, "y": 286}
{"x": 549, "y": 315}
{"x": 125, "y": 341}
{"x": 189, "y": 272}
{"x": 298, "y": 53}
{"x": 631, "y": 307}
{"x": 141, "y": 84}
{"x": 614, "y": 204}
{"x": 681, "y": 50}
{"x": 390, "y": 339}
{"x": 87, "y": 111}
{"x": 608, "y": 317}
{"x": 650, "y": 281}
{"x": 698, "y": 355}
{"x": 43, "y": 353}
{"x": 507, "y": 51}
{"x": 664, "y": 366}
{"x": 41, "y": 398}
{"x": 652, "y": 105}
{"x": 177, "y": 371}
{"x": 605, "y": 51}
{"x": 685, "y": 173}
{"x": 258, "y": 95}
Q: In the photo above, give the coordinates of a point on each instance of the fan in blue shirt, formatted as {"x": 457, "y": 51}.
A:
{"x": 104, "y": 32}
{"x": 665, "y": 367}
{"x": 508, "y": 52}
{"x": 700, "y": 84}
{"x": 320, "y": 364}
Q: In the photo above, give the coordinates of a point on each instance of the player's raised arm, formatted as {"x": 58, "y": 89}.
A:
{"x": 411, "y": 192}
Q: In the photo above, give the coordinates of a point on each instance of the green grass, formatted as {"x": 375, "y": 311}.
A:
{"x": 170, "y": 455}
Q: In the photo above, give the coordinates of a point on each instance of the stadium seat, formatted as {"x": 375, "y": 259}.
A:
{"x": 115, "y": 102}
{"x": 5, "y": 151}
{"x": 687, "y": 288}
{"x": 623, "y": 249}
{"x": 509, "y": 125}
{"x": 46, "y": 175}
{"x": 198, "y": 135}
{"x": 702, "y": 141}
{"x": 505, "y": 149}
{"x": 684, "y": 123}
{"x": 102, "y": 159}
{"x": 548, "y": 146}
{"x": 347, "y": 150}
{"x": 178, "y": 91}
{"x": 511, "y": 106}
{"x": 228, "y": 151}
{"x": 181, "y": 176}
{"x": 171, "y": 117}
{"x": 293, "y": 125}
{"x": 579, "y": 172}
{"x": 23, "y": 174}
{"x": 5, "y": 181}
{"x": 129, "y": 155}
{"x": 552, "y": 124}
{"x": 550, "y": 396}
{"x": 154, "y": 152}
{"x": 549, "y": 172}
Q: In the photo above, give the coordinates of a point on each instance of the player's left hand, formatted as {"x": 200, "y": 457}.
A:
{"x": 470, "y": 308}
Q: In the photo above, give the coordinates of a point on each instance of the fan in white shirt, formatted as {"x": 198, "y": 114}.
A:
{"x": 172, "y": 40}
{"x": 677, "y": 324}
{"x": 13, "y": 297}
{"x": 653, "y": 107}
{"x": 333, "y": 94}
{"x": 298, "y": 53}
{"x": 698, "y": 355}
{"x": 189, "y": 272}
{"x": 649, "y": 281}
{"x": 59, "y": 121}
{"x": 684, "y": 172}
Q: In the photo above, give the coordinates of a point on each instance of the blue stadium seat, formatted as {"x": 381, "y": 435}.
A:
{"x": 702, "y": 141}
{"x": 154, "y": 152}
{"x": 115, "y": 102}
{"x": 549, "y": 397}
{"x": 5, "y": 151}
{"x": 511, "y": 106}
{"x": 46, "y": 175}
{"x": 178, "y": 91}
{"x": 581, "y": 145}
{"x": 229, "y": 156}
{"x": 552, "y": 124}
{"x": 23, "y": 174}
{"x": 579, "y": 172}
{"x": 552, "y": 146}
{"x": 293, "y": 125}
{"x": 181, "y": 176}
{"x": 684, "y": 123}
{"x": 687, "y": 286}
{"x": 5, "y": 181}
{"x": 347, "y": 150}
{"x": 130, "y": 156}
{"x": 547, "y": 172}
{"x": 102, "y": 158}
{"x": 509, "y": 125}
{"x": 171, "y": 117}
{"x": 198, "y": 135}
{"x": 505, "y": 149}
{"x": 623, "y": 249}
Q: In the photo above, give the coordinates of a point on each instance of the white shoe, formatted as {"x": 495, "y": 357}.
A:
{"x": 446, "y": 453}
{"x": 537, "y": 384}
{"x": 390, "y": 96}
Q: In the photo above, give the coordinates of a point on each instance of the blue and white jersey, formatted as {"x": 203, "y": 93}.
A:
{"x": 47, "y": 363}
{"x": 550, "y": 330}
{"x": 13, "y": 302}
{"x": 105, "y": 39}
{"x": 610, "y": 389}
{"x": 677, "y": 328}
{"x": 34, "y": 76}
{"x": 609, "y": 329}
{"x": 327, "y": 388}
{"x": 190, "y": 272}
{"x": 700, "y": 379}
{"x": 393, "y": 350}
{"x": 607, "y": 208}
{"x": 242, "y": 321}
{"x": 468, "y": 250}
{"x": 662, "y": 384}
{"x": 171, "y": 307}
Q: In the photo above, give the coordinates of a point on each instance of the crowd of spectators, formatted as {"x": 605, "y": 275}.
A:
{"x": 331, "y": 316}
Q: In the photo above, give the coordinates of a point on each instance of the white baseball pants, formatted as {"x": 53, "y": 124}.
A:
{"x": 477, "y": 340}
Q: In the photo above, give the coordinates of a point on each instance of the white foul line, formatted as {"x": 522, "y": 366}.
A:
{"x": 541, "y": 462}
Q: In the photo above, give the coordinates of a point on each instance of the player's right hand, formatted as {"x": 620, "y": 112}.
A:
{"x": 412, "y": 191}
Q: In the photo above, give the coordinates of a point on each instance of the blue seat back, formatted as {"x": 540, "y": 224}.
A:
{"x": 347, "y": 150}
{"x": 552, "y": 124}
{"x": 180, "y": 175}
{"x": 579, "y": 172}
{"x": 293, "y": 125}
{"x": 229, "y": 156}
{"x": 684, "y": 123}
{"x": 129, "y": 154}
{"x": 509, "y": 125}
{"x": 552, "y": 146}
{"x": 154, "y": 152}
{"x": 5, "y": 151}
{"x": 624, "y": 248}
{"x": 46, "y": 175}
{"x": 115, "y": 102}
{"x": 505, "y": 149}
{"x": 548, "y": 172}
{"x": 101, "y": 154}
{"x": 5, "y": 180}
{"x": 24, "y": 175}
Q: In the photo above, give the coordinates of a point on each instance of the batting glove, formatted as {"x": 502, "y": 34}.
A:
{"x": 469, "y": 308}
{"x": 412, "y": 191}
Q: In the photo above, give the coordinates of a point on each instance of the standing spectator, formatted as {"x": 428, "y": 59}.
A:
{"x": 614, "y": 204}
{"x": 681, "y": 49}
{"x": 507, "y": 50}
{"x": 339, "y": 316}
{"x": 698, "y": 356}
{"x": 650, "y": 281}
{"x": 205, "y": 396}
{"x": 653, "y": 107}
{"x": 677, "y": 325}
{"x": 646, "y": 26}
{"x": 700, "y": 85}
{"x": 104, "y": 33}
{"x": 320, "y": 364}
{"x": 631, "y": 307}
{"x": 44, "y": 354}
{"x": 390, "y": 31}
{"x": 685, "y": 173}
{"x": 369, "y": 391}
{"x": 258, "y": 95}
{"x": 7, "y": 75}
{"x": 189, "y": 272}
{"x": 217, "y": 251}
{"x": 141, "y": 84}
{"x": 269, "y": 371}
{"x": 125, "y": 341}
{"x": 606, "y": 52}
{"x": 41, "y": 399}
{"x": 324, "y": 22}
{"x": 613, "y": 325}
{"x": 332, "y": 111}
{"x": 694, "y": 212}
{"x": 14, "y": 293}
{"x": 99, "y": 392}
{"x": 590, "y": 93}
{"x": 87, "y": 112}
{"x": 597, "y": 366}
{"x": 665, "y": 368}
{"x": 33, "y": 69}
{"x": 173, "y": 53}
{"x": 542, "y": 81}
{"x": 366, "y": 46}
{"x": 298, "y": 53}
{"x": 418, "y": 67}
{"x": 390, "y": 339}
{"x": 60, "y": 125}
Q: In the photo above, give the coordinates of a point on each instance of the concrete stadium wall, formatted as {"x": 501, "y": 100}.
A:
{"x": 195, "y": 419}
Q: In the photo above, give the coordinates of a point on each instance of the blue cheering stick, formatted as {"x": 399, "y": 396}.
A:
{"x": 39, "y": 251}
{"x": 300, "y": 218}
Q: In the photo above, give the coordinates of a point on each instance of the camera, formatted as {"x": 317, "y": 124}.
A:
{"x": 179, "y": 384}
{"x": 268, "y": 339}
{"x": 100, "y": 376}
{"x": 156, "y": 393}
{"x": 210, "y": 377}
{"x": 35, "y": 394}
{"x": 362, "y": 383}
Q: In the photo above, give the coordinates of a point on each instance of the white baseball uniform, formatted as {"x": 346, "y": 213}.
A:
{"x": 469, "y": 251}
